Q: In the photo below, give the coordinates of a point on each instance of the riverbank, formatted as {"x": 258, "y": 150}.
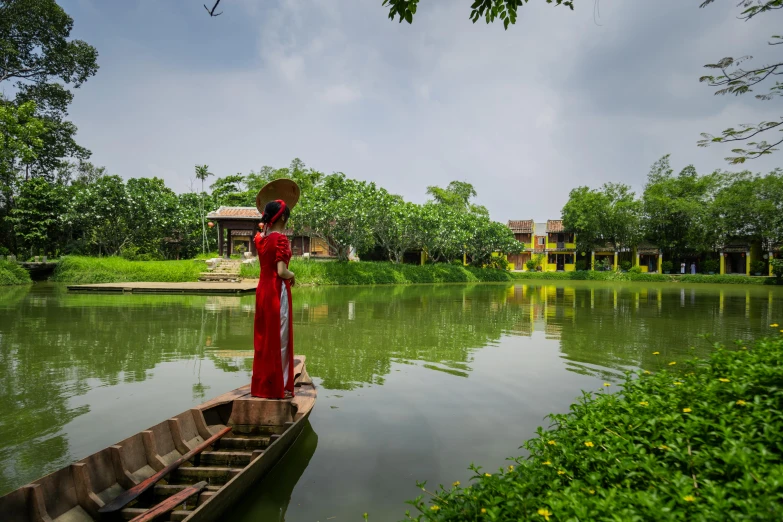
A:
{"x": 589, "y": 275}
{"x": 87, "y": 270}
{"x": 310, "y": 272}
{"x": 13, "y": 274}
{"x": 698, "y": 442}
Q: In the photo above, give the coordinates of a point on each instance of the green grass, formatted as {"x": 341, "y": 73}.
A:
{"x": 661, "y": 278}
{"x": 700, "y": 442}
{"x": 382, "y": 273}
{"x": 86, "y": 270}
{"x": 13, "y": 274}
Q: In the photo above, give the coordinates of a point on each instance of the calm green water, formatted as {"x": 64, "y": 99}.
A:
{"x": 414, "y": 382}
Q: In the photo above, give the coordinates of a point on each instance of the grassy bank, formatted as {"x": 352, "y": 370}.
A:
{"x": 380, "y": 273}
{"x": 588, "y": 275}
{"x": 85, "y": 270}
{"x": 13, "y": 274}
{"x": 699, "y": 442}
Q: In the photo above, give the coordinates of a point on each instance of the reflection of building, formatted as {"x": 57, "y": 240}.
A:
{"x": 550, "y": 308}
{"x": 236, "y": 226}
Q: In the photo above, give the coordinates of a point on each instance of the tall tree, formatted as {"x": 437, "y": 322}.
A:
{"x": 734, "y": 78}
{"x": 36, "y": 213}
{"x": 202, "y": 173}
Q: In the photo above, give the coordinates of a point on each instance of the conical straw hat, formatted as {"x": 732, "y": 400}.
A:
{"x": 285, "y": 189}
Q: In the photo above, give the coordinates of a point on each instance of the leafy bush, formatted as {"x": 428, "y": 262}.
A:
{"x": 498, "y": 262}
{"x": 635, "y": 270}
{"x": 581, "y": 264}
{"x": 710, "y": 265}
{"x": 625, "y": 265}
{"x": 777, "y": 267}
{"x": 85, "y": 270}
{"x": 13, "y": 274}
{"x": 131, "y": 253}
{"x": 530, "y": 264}
{"x": 4, "y": 251}
{"x": 758, "y": 267}
{"x": 701, "y": 443}
{"x": 667, "y": 266}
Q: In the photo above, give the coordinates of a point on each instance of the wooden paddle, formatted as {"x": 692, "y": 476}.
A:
{"x": 125, "y": 498}
{"x": 170, "y": 503}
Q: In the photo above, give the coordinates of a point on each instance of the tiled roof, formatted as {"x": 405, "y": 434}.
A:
{"x": 554, "y": 225}
{"x": 235, "y": 212}
{"x": 524, "y": 226}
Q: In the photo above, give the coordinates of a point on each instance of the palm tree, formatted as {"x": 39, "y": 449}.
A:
{"x": 202, "y": 173}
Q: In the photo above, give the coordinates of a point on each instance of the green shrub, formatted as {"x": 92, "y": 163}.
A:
{"x": 13, "y": 274}
{"x": 498, "y": 262}
{"x": 702, "y": 443}
{"x": 530, "y": 264}
{"x": 635, "y": 270}
{"x": 85, "y": 270}
{"x": 581, "y": 264}
{"x": 4, "y": 251}
{"x": 625, "y": 265}
{"x": 777, "y": 267}
{"x": 710, "y": 265}
{"x": 759, "y": 267}
{"x": 311, "y": 272}
{"x": 667, "y": 266}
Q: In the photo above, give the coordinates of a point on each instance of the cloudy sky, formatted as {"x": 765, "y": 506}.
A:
{"x": 561, "y": 99}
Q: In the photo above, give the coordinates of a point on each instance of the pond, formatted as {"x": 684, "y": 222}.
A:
{"x": 415, "y": 382}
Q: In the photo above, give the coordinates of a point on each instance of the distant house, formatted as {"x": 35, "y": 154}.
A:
{"x": 549, "y": 239}
{"x": 237, "y": 225}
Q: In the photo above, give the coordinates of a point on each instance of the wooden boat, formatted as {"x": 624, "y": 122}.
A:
{"x": 191, "y": 467}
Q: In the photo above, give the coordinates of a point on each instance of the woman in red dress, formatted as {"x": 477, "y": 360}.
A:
{"x": 273, "y": 334}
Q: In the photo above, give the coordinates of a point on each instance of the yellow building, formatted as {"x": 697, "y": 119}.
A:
{"x": 560, "y": 248}
{"x": 523, "y": 232}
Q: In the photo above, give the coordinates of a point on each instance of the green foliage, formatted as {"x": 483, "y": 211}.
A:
{"x": 667, "y": 266}
{"x": 581, "y": 264}
{"x": 625, "y": 265}
{"x": 310, "y": 272}
{"x": 489, "y": 10}
{"x": 13, "y": 274}
{"x": 498, "y": 262}
{"x": 777, "y": 267}
{"x": 531, "y": 264}
{"x": 610, "y": 215}
{"x": 590, "y": 275}
{"x": 635, "y": 270}
{"x": 758, "y": 267}
{"x": 86, "y": 270}
{"x": 737, "y": 79}
{"x": 35, "y": 215}
{"x": 710, "y": 265}
{"x": 698, "y": 443}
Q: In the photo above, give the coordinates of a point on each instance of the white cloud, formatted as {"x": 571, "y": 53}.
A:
{"x": 341, "y": 94}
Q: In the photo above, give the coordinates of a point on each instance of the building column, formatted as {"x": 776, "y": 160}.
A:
{"x": 592, "y": 260}
{"x": 722, "y": 263}
{"x": 423, "y": 257}
{"x": 636, "y": 259}
{"x": 228, "y": 244}
{"x": 747, "y": 263}
{"x": 615, "y": 260}
{"x": 660, "y": 262}
{"x": 220, "y": 240}
{"x": 769, "y": 262}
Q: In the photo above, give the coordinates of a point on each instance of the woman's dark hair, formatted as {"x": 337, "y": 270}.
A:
{"x": 271, "y": 209}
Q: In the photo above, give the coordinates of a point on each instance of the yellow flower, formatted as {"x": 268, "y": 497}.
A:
{"x": 607, "y": 384}
{"x": 744, "y": 347}
{"x": 560, "y": 472}
{"x": 511, "y": 468}
{"x": 774, "y": 325}
{"x": 434, "y": 508}
{"x": 546, "y": 463}
{"x": 724, "y": 379}
{"x": 552, "y": 443}
{"x": 740, "y": 403}
{"x": 672, "y": 363}
{"x": 591, "y": 491}
{"x": 589, "y": 444}
{"x": 483, "y": 510}
{"x": 544, "y": 512}
{"x": 644, "y": 403}
{"x": 656, "y": 353}
{"x": 646, "y": 372}
{"x": 664, "y": 447}
{"x": 487, "y": 474}
{"x": 677, "y": 383}
{"x": 686, "y": 410}
{"x": 689, "y": 498}
{"x": 456, "y": 484}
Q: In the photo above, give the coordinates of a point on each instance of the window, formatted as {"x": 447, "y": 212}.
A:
{"x": 541, "y": 240}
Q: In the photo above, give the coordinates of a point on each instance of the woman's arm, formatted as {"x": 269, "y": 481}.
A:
{"x": 284, "y": 272}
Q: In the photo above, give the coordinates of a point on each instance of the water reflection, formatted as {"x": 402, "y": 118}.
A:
{"x": 71, "y": 362}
